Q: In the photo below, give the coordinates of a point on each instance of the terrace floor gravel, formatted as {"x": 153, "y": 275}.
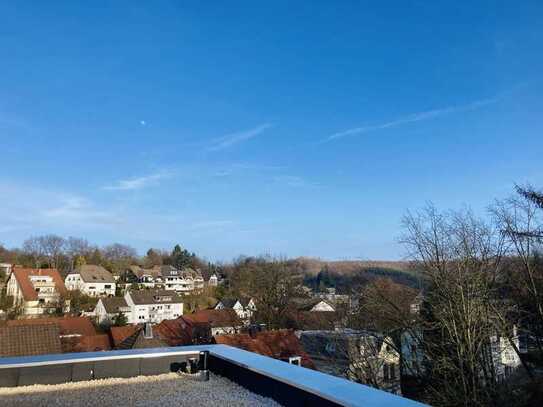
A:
{"x": 162, "y": 390}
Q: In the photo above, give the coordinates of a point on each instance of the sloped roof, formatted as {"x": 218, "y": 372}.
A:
{"x": 133, "y": 337}
{"x": 228, "y": 302}
{"x": 141, "y": 297}
{"x": 182, "y": 331}
{"x": 120, "y": 333}
{"x": 175, "y": 332}
{"x": 67, "y": 325}
{"x": 303, "y": 304}
{"x": 280, "y": 344}
{"x": 113, "y": 304}
{"x": 215, "y": 317}
{"x": 140, "y": 271}
{"x": 22, "y": 275}
{"x": 27, "y": 340}
{"x": 94, "y": 274}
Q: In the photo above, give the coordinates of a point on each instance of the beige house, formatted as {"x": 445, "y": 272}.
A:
{"x": 91, "y": 280}
{"x": 36, "y": 291}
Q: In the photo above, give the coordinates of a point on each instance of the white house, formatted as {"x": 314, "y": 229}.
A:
{"x": 153, "y": 306}
{"x": 244, "y": 307}
{"x": 36, "y": 291}
{"x": 504, "y": 357}
{"x": 213, "y": 280}
{"x": 183, "y": 281}
{"x": 91, "y": 280}
{"x": 108, "y": 307}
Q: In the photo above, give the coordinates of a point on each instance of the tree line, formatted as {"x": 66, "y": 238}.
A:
{"x": 66, "y": 254}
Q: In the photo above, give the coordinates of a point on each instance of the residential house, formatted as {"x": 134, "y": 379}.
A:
{"x": 175, "y": 280}
{"x": 76, "y": 334}
{"x": 28, "y": 340}
{"x": 108, "y": 307}
{"x": 244, "y": 307}
{"x": 504, "y": 357}
{"x": 36, "y": 291}
{"x": 281, "y": 344}
{"x": 213, "y": 280}
{"x": 221, "y": 322}
{"x": 361, "y": 356}
{"x": 314, "y": 305}
{"x": 153, "y": 305}
{"x": 91, "y": 280}
{"x": 145, "y": 277}
{"x": 505, "y": 360}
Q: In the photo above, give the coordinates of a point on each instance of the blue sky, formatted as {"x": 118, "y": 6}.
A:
{"x": 245, "y": 128}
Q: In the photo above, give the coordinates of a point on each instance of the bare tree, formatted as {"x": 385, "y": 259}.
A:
{"x": 460, "y": 257}
{"x": 520, "y": 219}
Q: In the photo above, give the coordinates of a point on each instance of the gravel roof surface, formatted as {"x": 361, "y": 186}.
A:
{"x": 162, "y": 390}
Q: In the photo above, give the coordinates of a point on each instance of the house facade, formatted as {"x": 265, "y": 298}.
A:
{"x": 91, "y": 280}
{"x": 184, "y": 281}
{"x": 36, "y": 291}
{"x": 213, "y": 280}
{"x": 107, "y": 308}
{"x": 243, "y": 307}
{"x": 153, "y": 306}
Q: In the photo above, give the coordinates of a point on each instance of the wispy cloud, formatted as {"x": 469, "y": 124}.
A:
{"x": 230, "y": 140}
{"x": 138, "y": 182}
{"x": 294, "y": 181}
{"x": 412, "y": 118}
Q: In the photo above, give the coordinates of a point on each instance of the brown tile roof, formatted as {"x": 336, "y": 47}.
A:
{"x": 155, "y": 297}
{"x": 215, "y": 317}
{"x": 22, "y": 275}
{"x": 27, "y": 340}
{"x": 133, "y": 337}
{"x": 120, "y": 333}
{"x": 67, "y": 325}
{"x": 175, "y": 332}
{"x": 280, "y": 344}
{"x": 113, "y": 304}
{"x": 94, "y": 274}
{"x": 93, "y": 343}
{"x": 184, "y": 331}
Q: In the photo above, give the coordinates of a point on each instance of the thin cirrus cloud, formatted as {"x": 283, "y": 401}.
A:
{"x": 412, "y": 118}
{"x": 136, "y": 183}
{"x": 230, "y": 140}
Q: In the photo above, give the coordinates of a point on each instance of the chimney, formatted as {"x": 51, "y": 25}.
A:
{"x": 148, "y": 331}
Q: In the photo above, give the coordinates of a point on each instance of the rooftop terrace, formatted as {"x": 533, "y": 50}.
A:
{"x": 260, "y": 375}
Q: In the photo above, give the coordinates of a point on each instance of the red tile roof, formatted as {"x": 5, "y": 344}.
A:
{"x": 280, "y": 344}
{"x": 175, "y": 332}
{"x": 26, "y": 340}
{"x": 67, "y": 325}
{"x": 120, "y": 333}
{"x": 93, "y": 343}
{"x": 22, "y": 275}
{"x": 215, "y": 317}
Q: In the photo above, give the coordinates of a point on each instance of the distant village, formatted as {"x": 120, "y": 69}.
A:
{"x": 462, "y": 320}
{"x": 165, "y": 306}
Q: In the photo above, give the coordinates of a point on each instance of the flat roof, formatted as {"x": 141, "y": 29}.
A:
{"x": 335, "y": 389}
{"x": 169, "y": 389}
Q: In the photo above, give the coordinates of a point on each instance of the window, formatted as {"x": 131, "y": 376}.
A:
{"x": 107, "y": 286}
{"x": 389, "y": 372}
